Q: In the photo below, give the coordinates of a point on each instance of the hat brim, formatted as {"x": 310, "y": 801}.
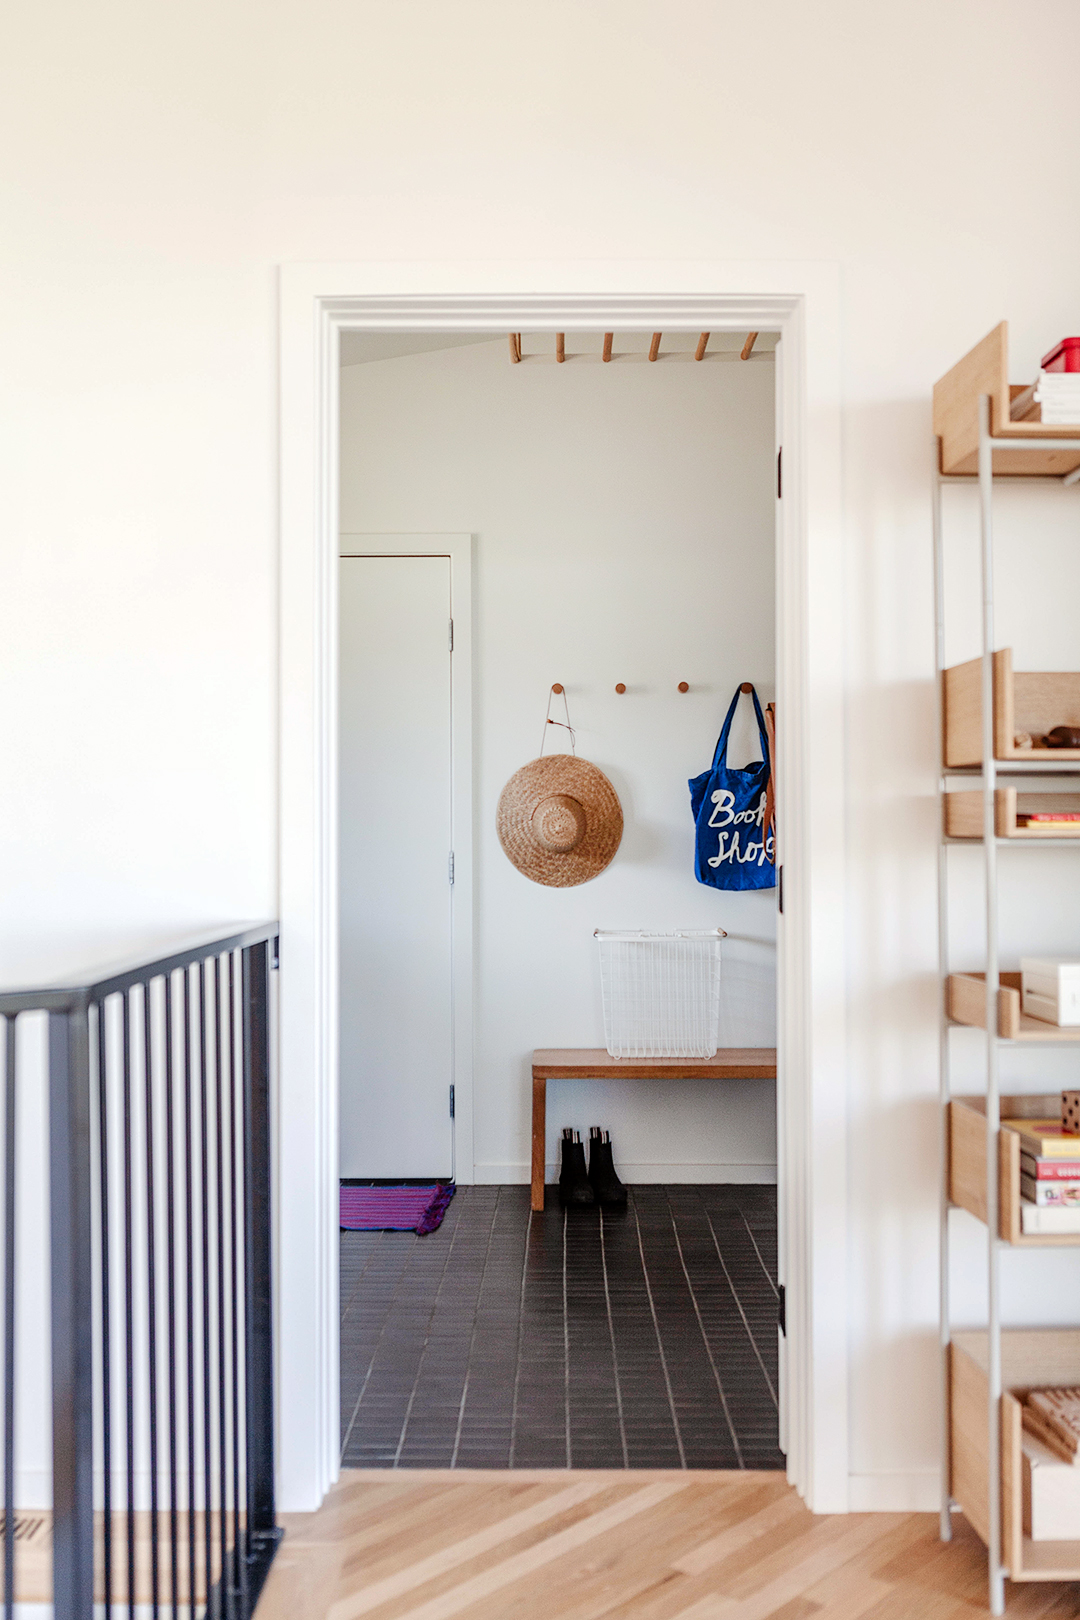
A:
{"x": 559, "y": 773}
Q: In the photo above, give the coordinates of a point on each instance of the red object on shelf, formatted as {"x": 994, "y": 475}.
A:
{"x": 1064, "y": 356}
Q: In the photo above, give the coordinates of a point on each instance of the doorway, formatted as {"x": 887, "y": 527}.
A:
{"x": 321, "y": 302}
{"x": 624, "y": 519}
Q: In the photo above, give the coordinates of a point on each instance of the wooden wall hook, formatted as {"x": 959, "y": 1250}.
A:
{"x": 560, "y": 347}
{"x": 620, "y": 687}
{"x": 515, "y": 348}
{"x": 748, "y": 346}
{"x": 684, "y": 686}
{"x": 557, "y": 686}
{"x": 747, "y": 686}
{"x": 608, "y": 340}
{"x": 702, "y": 345}
{"x": 654, "y": 346}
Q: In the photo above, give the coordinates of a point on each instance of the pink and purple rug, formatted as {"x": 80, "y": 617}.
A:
{"x": 395, "y": 1209}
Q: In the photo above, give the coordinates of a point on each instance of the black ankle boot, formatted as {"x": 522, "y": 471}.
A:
{"x": 608, "y": 1190}
{"x": 574, "y": 1185}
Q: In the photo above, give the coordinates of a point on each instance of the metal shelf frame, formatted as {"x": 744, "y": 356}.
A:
{"x": 989, "y": 770}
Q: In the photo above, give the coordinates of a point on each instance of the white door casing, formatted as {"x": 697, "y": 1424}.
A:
{"x": 802, "y": 302}
{"x": 394, "y": 865}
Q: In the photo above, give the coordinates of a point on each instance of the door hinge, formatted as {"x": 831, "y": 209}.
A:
{"x": 780, "y": 473}
{"x": 780, "y": 889}
{"x": 451, "y": 1102}
{"x": 450, "y": 865}
{"x": 451, "y": 635}
{"x": 781, "y": 1304}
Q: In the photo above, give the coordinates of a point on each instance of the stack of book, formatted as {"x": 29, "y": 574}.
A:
{"x": 1049, "y": 1176}
{"x": 1051, "y": 821}
{"x": 1053, "y": 398}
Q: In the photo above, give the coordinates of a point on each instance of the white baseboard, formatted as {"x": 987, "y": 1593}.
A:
{"x": 917, "y": 1490}
{"x": 517, "y": 1174}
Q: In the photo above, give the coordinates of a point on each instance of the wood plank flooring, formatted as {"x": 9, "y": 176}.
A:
{"x": 621, "y": 1545}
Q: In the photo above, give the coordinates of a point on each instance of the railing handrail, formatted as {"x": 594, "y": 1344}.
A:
{"x": 80, "y": 990}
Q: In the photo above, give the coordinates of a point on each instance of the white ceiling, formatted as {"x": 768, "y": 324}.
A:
{"x": 359, "y": 348}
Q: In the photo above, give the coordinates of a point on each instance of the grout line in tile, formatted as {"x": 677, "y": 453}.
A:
{"x": 705, "y": 1340}
{"x": 472, "y": 1334}
{"x": 659, "y": 1343}
{"x": 614, "y": 1349}
{"x": 742, "y": 1313}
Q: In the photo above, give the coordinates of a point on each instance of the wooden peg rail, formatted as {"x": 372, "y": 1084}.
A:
{"x": 653, "y": 354}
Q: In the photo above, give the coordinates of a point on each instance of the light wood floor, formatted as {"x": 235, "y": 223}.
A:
{"x": 415, "y": 1545}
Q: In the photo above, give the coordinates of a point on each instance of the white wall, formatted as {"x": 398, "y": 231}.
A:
{"x": 624, "y": 531}
{"x": 159, "y": 162}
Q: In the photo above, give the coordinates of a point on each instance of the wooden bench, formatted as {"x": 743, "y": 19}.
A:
{"x": 593, "y": 1063}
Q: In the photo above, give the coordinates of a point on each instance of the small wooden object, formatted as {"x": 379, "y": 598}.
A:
{"x": 560, "y": 347}
{"x": 557, "y": 687}
{"x": 515, "y": 347}
{"x": 735, "y": 1063}
{"x": 1070, "y": 1112}
{"x": 654, "y": 346}
{"x": 748, "y": 347}
{"x": 684, "y": 686}
{"x": 1033, "y": 701}
{"x": 702, "y": 345}
{"x": 966, "y": 993}
{"x": 609, "y": 338}
{"x": 620, "y": 687}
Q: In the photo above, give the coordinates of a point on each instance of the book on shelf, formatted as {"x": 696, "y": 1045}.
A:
{"x": 1049, "y": 1194}
{"x": 1054, "y": 398}
{"x": 1053, "y": 1416}
{"x": 1048, "y": 1169}
{"x": 1061, "y": 1221}
{"x": 1044, "y": 1138}
{"x": 1038, "y": 818}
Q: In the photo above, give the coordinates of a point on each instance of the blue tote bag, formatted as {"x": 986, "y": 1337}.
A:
{"x": 733, "y": 850}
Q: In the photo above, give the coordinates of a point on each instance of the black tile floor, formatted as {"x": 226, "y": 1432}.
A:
{"x": 507, "y": 1339}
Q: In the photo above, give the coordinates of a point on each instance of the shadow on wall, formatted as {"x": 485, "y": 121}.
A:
{"x": 747, "y": 992}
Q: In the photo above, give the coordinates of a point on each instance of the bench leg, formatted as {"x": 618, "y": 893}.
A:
{"x": 539, "y": 1139}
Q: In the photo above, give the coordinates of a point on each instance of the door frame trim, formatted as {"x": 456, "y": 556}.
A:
{"x": 459, "y": 549}
{"x": 802, "y": 301}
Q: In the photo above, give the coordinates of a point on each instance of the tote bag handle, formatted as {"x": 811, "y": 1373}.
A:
{"x": 720, "y": 756}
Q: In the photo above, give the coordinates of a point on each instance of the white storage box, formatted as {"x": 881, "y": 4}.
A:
{"x": 1050, "y": 990}
{"x": 1051, "y": 1494}
{"x": 661, "y": 992}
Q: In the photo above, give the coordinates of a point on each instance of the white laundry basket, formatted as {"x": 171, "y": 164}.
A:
{"x": 661, "y": 992}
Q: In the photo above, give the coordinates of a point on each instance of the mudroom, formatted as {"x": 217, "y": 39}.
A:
{"x": 557, "y": 901}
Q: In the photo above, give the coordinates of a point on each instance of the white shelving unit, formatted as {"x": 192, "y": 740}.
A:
{"x": 980, "y": 1164}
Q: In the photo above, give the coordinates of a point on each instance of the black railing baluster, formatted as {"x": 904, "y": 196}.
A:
{"x": 9, "y": 1317}
{"x": 204, "y": 1182}
{"x": 151, "y": 1298}
{"x": 129, "y": 1307}
{"x": 239, "y": 1565}
{"x": 106, "y": 1326}
{"x": 71, "y": 1301}
{"x": 170, "y": 1253}
{"x": 219, "y": 1127}
{"x": 262, "y": 1535}
{"x": 189, "y": 1315}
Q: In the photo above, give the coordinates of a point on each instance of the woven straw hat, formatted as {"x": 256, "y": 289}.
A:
{"x": 559, "y": 820}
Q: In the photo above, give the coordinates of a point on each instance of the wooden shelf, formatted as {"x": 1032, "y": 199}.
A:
{"x": 966, "y": 1001}
{"x": 1030, "y": 1358}
{"x": 1031, "y": 701}
{"x": 964, "y": 814}
{"x": 985, "y": 370}
{"x": 967, "y": 1166}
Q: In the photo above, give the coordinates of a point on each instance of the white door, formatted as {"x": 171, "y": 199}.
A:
{"x": 395, "y": 841}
